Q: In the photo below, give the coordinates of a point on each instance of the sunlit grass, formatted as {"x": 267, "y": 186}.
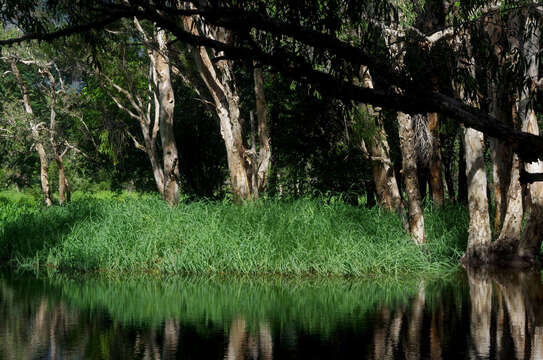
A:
{"x": 141, "y": 234}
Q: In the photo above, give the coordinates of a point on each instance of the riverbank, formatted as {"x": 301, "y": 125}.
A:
{"x": 131, "y": 233}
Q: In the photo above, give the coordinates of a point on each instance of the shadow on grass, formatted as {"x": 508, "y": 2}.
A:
{"x": 26, "y": 230}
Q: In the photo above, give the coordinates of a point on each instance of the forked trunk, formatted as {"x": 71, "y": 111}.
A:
{"x": 416, "y": 217}
{"x": 218, "y": 76}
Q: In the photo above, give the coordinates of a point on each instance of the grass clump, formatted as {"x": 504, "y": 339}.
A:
{"x": 141, "y": 234}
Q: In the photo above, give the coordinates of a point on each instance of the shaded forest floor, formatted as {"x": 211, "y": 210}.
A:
{"x": 132, "y": 233}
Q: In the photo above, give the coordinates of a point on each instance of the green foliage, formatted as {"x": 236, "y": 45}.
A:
{"x": 130, "y": 233}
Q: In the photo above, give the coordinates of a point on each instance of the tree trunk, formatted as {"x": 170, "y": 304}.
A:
{"x": 218, "y": 77}
{"x": 449, "y": 182}
{"x": 61, "y": 182}
{"x": 44, "y": 162}
{"x": 167, "y": 104}
{"x": 462, "y": 177}
{"x": 416, "y": 217}
{"x": 264, "y": 152}
{"x": 150, "y": 148}
{"x": 436, "y": 179}
{"x": 512, "y": 219}
{"x": 386, "y": 185}
{"x": 479, "y": 222}
{"x": 62, "y": 179}
{"x": 501, "y": 165}
{"x": 44, "y": 169}
{"x": 530, "y": 244}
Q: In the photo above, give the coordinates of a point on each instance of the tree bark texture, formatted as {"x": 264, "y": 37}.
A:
{"x": 416, "y": 217}
{"x": 479, "y": 221}
{"x": 262, "y": 162}
{"x": 512, "y": 219}
{"x": 436, "y": 178}
{"x": 170, "y": 155}
{"x": 462, "y": 177}
{"x": 386, "y": 185}
{"x": 44, "y": 161}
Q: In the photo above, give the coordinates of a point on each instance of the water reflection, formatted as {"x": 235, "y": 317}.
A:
{"x": 480, "y": 315}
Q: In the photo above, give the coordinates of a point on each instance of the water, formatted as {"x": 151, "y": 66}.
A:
{"x": 479, "y": 316}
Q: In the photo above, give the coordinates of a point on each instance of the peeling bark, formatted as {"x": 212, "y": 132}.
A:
{"x": 479, "y": 221}
{"x": 416, "y": 217}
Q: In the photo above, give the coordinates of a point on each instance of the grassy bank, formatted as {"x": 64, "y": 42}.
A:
{"x": 141, "y": 234}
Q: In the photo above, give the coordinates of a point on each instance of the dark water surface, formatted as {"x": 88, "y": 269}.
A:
{"x": 464, "y": 317}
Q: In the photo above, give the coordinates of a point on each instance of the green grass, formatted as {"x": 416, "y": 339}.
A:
{"x": 115, "y": 234}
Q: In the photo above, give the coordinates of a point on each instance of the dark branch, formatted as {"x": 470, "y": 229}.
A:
{"x": 71, "y": 30}
{"x": 528, "y": 178}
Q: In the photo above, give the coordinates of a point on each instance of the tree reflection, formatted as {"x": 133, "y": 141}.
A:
{"x": 519, "y": 298}
{"x": 501, "y": 319}
{"x": 244, "y": 344}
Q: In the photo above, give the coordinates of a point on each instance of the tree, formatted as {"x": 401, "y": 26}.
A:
{"x": 325, "y": 45}
{"x": 152, "y": 107}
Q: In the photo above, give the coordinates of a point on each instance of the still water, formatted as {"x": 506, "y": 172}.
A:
{"x": 467, "y": 316}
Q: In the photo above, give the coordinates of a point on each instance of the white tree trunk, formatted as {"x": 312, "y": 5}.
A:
{"x": 479, "y": 221}
{"x": 167, "y": 104}
{"x": 44, "y": 161}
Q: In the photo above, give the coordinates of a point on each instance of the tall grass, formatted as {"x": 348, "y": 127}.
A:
{"x": 141, "y": 234}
